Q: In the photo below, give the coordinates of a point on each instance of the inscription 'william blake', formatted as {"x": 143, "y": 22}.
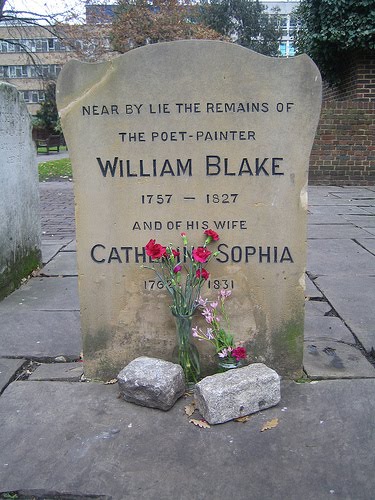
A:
{"x": 213, "y": 165}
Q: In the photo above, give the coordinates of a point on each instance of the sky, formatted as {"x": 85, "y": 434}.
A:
{"x": 46, "y": 6}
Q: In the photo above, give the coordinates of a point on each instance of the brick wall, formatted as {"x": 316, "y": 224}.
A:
{"x": 344, "y": 146}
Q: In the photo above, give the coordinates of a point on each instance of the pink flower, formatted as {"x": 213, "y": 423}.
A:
{"x": 224, "y": 352}
{"x": 211, "y": 235}
{"x": 201, "y": 254}
{"x": 207, "y": 313}
{"x": 225, "y": 293}
{"x": 177, "y": 269}
{"x": 202, "y": 273}
{"x": 239, "y": 353}
{"x": 184, "y": 238}
{"x": 209, "y": 334}
{"x": 214, "y": 305}
{"x": 202, "y": 302}
{"x": 154, "y": 250}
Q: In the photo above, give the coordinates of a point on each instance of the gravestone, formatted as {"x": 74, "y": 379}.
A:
{"x": 19, "y": 193}
{"x": 181, "y": 137}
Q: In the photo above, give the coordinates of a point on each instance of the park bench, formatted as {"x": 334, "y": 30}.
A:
{"x": 52, "y": 142}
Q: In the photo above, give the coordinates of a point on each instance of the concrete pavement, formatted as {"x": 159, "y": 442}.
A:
{"x": 60, "y": 436}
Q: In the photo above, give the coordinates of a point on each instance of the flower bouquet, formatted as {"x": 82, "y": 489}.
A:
{"x": 217, "y": 332}
{"x": 182, "y": 273}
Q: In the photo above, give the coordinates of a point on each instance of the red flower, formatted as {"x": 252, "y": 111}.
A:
{"x": 239, "y": 353}
{"x": 154, "y": 250}
{"x": 201, "y": 254}
{"x": 202, "y": 273}
{"x": 214, "y": 236}
{"x": 176, "y": 253}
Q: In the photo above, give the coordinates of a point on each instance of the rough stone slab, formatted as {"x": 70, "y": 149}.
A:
{"x": 326, "y": 328}
{"x": 368, "y": 243}
{"x": 20, "y": 231}
{"x": 334, "y": 231}
{"x": 44, "y": 294}
{"x": 353, "y": 299}
{"x": 152, "y": 382}
{"x": 64, "y": 264}
{"x": 8, "y": 368}
{"x": 336, "y": 257}
{"x": 236, "y": 393}
{"x": 40, "y": 334}
{"x": 328, "y": 359}
{"x": 105, "y": 446}
{"x": 317, "y": 308}
{"x": 219, "y": 78}
{"x": 71, "y": 372}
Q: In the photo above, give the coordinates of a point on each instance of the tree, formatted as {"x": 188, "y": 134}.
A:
{"x": 143, "y": 22}
{"x": 247, "y": 22}
{"x": 47, "y": 117}
{"x": 331, "y": 30}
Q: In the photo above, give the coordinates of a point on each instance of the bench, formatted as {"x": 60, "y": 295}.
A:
{"x": 52, "y": 142}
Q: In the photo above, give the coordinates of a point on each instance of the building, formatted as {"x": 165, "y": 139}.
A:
{"x": 31, "y": 56}
{"x": 285, "y": 8}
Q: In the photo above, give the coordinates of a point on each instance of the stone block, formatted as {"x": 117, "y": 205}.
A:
{"x": 20, "y": 231}
{"x": 152, "y": 382}
{"x": 236, "y": 393}
{"x": 222, "y": 140}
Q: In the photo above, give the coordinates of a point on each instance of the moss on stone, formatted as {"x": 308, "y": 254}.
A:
{"x": 21, "y": 266}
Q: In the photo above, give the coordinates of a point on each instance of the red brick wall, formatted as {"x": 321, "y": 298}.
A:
{"x": 344, "y": 149}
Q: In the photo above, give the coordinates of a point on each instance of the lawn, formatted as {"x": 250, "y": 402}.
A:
{"x": 55, "y": 170}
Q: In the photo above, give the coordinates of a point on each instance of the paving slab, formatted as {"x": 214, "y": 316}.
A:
{"x": 361, "y": 220}
{"x": 355, "y": 194}
{"x": 49, "y": 251}
{"x": 317, "y": 308}
{"x": 311, "y": 290}
{"x": 332, "y": 210}
{"x": 321, "y": 219}
{"x": 8, "y": 369}
{"x": 70, "y": 372}
{"x": 370, "y": 231}
{"x": 353, "y": 299}
{"x": 64, "y": 264}
{"x": 335, "y": 257}
{"x": 72, "y": 247}
{"x": 81, "y": 439}
{"x": 368, "y": 243}
{"x": 326, "y": 359}
{"x": 44, "y": 294}
{"x": 326, "y": 328}
{"x": 335, "y": 231}
{"x": 40, "y": 335}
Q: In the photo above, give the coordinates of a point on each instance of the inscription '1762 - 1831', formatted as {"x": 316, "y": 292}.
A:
{"x": 218, "y": 138}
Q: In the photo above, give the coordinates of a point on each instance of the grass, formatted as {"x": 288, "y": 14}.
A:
{"x": 55, "y": 170}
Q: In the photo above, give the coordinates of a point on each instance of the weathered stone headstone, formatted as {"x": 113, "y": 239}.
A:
{"x": 19, "y": 193}
{"x": 186, "y": 136}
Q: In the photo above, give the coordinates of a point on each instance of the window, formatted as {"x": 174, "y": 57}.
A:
{"x": 282, "y": 48}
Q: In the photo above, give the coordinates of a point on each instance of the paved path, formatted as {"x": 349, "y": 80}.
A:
{"x": 58, "y": 435}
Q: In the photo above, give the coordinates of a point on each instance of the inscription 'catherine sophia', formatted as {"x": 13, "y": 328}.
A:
{"x": 213, "y": 164}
